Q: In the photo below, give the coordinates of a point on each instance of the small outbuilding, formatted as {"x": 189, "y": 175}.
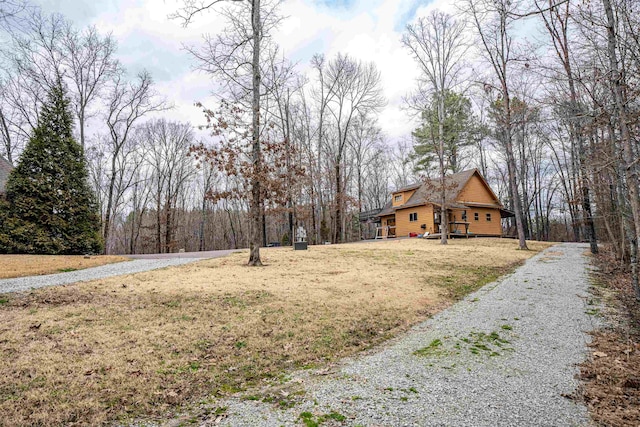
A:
{"x": 471, "y": 206}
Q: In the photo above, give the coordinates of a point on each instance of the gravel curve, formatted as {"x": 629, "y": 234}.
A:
{"x": 101, "y": 272}
{"x": 507, "y": 356}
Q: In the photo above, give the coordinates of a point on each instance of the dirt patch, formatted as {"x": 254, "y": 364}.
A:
{"x": 612, "y": 374}
{"x": 149, "y": 343}
{"x": 34, "y": 265}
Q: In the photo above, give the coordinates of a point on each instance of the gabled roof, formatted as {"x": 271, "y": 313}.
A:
{"x": 409, "y": 187}
{"x": 388, "y": 209}
{"x": 5, "y": 170}
{"x": 429, "y": 192}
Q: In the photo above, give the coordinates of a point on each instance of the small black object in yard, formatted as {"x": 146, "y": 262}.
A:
{"x": 300, "y": 246}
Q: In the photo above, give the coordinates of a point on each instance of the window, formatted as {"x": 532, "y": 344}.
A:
{"x": 464, "y": 215}
{"x": 476, "y": 216}
{"x": 413, "y": 217}
{"x": 398, "y": 198}
{"x": 488, "y": 217}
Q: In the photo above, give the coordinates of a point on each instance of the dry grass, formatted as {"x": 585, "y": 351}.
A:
{"x": 35, "y": 265}
{"x": 144, "y": 344}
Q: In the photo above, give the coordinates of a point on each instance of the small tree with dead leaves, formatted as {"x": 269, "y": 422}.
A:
{"x": 231, "y": 155}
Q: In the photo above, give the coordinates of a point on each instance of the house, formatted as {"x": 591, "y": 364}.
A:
{"x": 472, "y": 208}
{"x": 5, "y": 169}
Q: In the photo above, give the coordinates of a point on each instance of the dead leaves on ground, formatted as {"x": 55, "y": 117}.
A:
{"x": 612, "y": 380}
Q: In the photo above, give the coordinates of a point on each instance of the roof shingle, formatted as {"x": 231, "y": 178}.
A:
{"x": 429, "y": 192}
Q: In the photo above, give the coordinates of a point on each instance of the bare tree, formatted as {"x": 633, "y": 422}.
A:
{"x": 44, "y": 50}
{"x": 556, "y": 19}
{"x": 493, "y": 21}
{"x": 168, "y": 144}
{"x": 365, "y": 137}
{"x": 208, "y": 179}
{"x": 437, "y": 44}
{"x": 629, "y": 156}
{"x": 355, "y": 91}
{"x": 140, "y": 195}
{"x": 234, "y": 57}
{"x": 128, "y": 103}
{"x": 402, "y": 164}
{"x": 90, "y": 65}
{"x": 11, "y": 8}
{"x": 31, "y": 67}
{"x": 11, "y": 134}
{"x": 283, "y": 83}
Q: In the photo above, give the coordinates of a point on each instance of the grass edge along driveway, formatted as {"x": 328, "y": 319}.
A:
{"x": 145, "y": 345}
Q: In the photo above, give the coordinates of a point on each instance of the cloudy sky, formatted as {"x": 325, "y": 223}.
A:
{"x": 366, "y": 29}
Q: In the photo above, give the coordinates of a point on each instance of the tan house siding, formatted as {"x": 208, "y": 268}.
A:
{"x": 405, "y": 226}
{"x": 406, "y": 195}
{"x": 476, "y": 191}
{"x": 469, "y": 194}
{"x": 482, "y": 226}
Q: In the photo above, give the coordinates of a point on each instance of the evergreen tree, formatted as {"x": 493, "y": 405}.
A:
{"x": 458, "y": 126}
{"x": 50, "y": 207}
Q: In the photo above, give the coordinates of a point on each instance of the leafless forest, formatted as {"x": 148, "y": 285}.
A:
{"x": 540, "y": 96}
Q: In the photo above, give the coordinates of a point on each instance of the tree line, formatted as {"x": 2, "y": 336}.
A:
{"x": 550, "y": 118}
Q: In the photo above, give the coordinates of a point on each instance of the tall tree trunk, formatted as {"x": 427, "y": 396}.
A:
{"x": 313, "y": 214}
{"x": 338, "y": 202}
{"x": 158, "y": 226}
{"x": 287, "y": 139}
{"x": 203, "y": 221}
{"x": 360, "y": 231}
{"x": 110, "y": 202}
{"x": 263, "y": 219}
{"x": 7, "y": 137}
{"x": 511, "y": 167}
{"x": 444, "y": 216}
{"x": 561, "y": 42}
{"x": 631, "y": 171}
{"x": 81, "y": 125}
{"x": 619, "y": 193}
{"x": 589, "y": 226}
{"x": 256, "y": 191}
{"x": 233, "y": 229}
{"x": 167, "y": 228}
{"x": 133, "y": 219}
{"x": 524, "y": 177}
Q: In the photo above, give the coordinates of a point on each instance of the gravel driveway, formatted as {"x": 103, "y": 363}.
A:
{"x": 109, "y": 270}
{"x": 504, "y": 356}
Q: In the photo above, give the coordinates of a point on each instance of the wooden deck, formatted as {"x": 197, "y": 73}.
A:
{"x": 463, "y": 236}
{"x": 450, "y": 236}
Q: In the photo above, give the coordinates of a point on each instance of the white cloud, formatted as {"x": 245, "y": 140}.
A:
{"x": 369, "y": 30}
{"x": 368, "y": 33}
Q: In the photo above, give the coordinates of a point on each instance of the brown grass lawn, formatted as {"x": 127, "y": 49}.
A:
{"x": 147, "y": 344}
{"x": 35, "y": 265}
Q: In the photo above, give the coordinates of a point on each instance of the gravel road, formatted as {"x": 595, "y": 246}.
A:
{"x": 504, "y": 356}
{"x": 109, "y": 270}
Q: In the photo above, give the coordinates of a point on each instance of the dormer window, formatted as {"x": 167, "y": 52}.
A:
{"x": 397, "y": 198}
